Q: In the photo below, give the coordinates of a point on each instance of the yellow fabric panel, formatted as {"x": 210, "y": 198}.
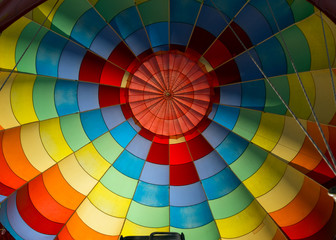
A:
{"x": 269, "y": 131}
{"x": 297, "y": 100}
{"x": 267, "y": 176}
{"x": 22, "y": 100}
{"x": 176, "y": 140}
{"x": 75, "y": 175}
{"x": 42, "y": 11}
{"x": 265, "y": 231}
{"x": 91, "y": 161}
{"x": 284, "y": 192}
{"x": 131, "y": 228}
{"x": 242, "y": 223}
{"x": 291, "y": 140}
{"x": 99, "y": 221}
{"x": 124, "y": 80}
{"x": 332, "y": 27}
{"x": 324, "y": 107}
{"x": 7, "y": 118}
{"x": 33, "y": 147}
{"x": 8, "y": 39}
{"x": 53, "y": 139}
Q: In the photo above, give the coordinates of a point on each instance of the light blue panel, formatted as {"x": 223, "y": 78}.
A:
{"x": 126, "y": 22}
{"x": 258, "y": 29}
{"x": 191, "y": 216}
{"x": 152, "y": 195}
{"x": 158, "y": 34}
{"x": 247, "y": 68}
{"x": 2, "y": 198}
{"x": 93, "y": 124}
{"x": 66, "y": 97}
{"x": 187, "y": 195}
{"x": 88, "y": 96}
{"x": 129, "y": 165}
{"x": 139, "y": 146}
{"x": 20, "y": 226}
{"x": 134, "y": 126}
{"x": 138, "y": 42}
{"x": 229, "y": 8}
{"x": 179, "y": 14}
{"x": 4, "y": 221}
{"x": 70, "y": 61}
{"x": 113, "y": 116}
{"x": 230, "y": 95}
{"x": 123, "y": 134}
{"x": 253, "y": 95}
{"x": 227, "y": 116}
{"x": 87, "y": 27}
{"x": 48, "y": 54}
{"x": 232, "y": 147}
{"x": 212, "y": 21}
{"x": 180, "y": 33}
{"x": 209, "y": 165}
{"x": 105, "y": 42}
{"x": 155, "y": 174}
{"x": 220, "y": 184}
{"x": 213, "y": 111}
{"x": 215, "y": 134}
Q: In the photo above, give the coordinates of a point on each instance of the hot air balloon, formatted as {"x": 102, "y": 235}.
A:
{"x": 214, "y": 118}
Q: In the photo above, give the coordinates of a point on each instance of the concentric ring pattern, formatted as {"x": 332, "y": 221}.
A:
{"x": 129, "y": 117}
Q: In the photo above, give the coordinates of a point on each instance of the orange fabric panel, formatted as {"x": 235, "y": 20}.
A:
{"x": 80, "y": 230}
{"x": 64, "y": 234}
{"x": 15, "y": 156}
{"x": 62, "y": 192}
{"x": 279, "y": 236}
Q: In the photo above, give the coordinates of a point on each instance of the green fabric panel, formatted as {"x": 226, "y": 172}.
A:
{"x": 232, "y": 203}
{"x": 154, "y": 11}
{"x": 154, "y": 217}
{"x": 107, "y": 147}
{"x": 68, "y": 14}
{"x": 247, "y": 123}
{"x": 43, "y": 98}
{"x": 249, "y": 162}
{"x": 119, "y": 183}
{"x": 206, "y": 232}
{"x": 73, "y": 131}
{"x": 110, "y": 8}
{"x": 301, "y": 9}
{"x": 298, "y": 48}
{"x": 273, "y": 103}
{"x": 28, "y": 62}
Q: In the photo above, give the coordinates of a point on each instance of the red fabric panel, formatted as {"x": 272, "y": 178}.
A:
{"x": 111, "y": 75}
{"x": 179, "y": 153}
{"x": 161, "y": 139}
{"x": 177, "y": 47}
{"x": 199, "y": 147}
{"x": 109, "y": 96}
{"x": 146, "y": 134}
{"x": 326, "y": 6}
{"x": 91, "y": 68}
{"x": 5, "y": 190}
{"x": 126, "y": 111}
{"x": 122, "y": 56}
{"x": 64, "y": 234}
{"x": 159, "y": 153}
{"x": 201, "y": 40}
{"x": 228, "y": 73}
{"x": 183, "y": 174}
{"x": 217, "y": 54}
{"x": 322, "y": 173}
{"x": 33, "y": 217}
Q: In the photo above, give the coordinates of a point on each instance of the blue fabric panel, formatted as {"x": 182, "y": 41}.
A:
{"x": 230, "y": 95}
{"x": 179, "y": 14}
{"x": 133, "y": 125}
{"x": 152, "y": 195}
{"x": 158, "y": 34}
{"x": 155, "y": 173}
{"x": 229, "y": 8}
{"x": 220, "y": 184}
{"x": 66, "y": 97}
{"x": 213, "y": 111}
{"x": 209, "y": 165}
{"x": 232, "y": 147}
{"x": 180, "y": 33}
{"x": 2, "y": 197}
{"x": 247, "y": 68}
{"x": 113, "y": 116}
{"x": 123, "y": 134}
{"x": 87, "y": 96}
{"x": 258, "y": 29}
{"x": 48, "y": 54}
{"x": 93, "y": 124}
{"x": 138, "y": 42}
{"x": 139, "y": 146}
{"x": 187, "y": 195}
{"x": 161, "y": 48}
{"x": 253, "y": 95}
{"x": 129, "y": 165}
{"x": 212, "y": 21}
{"x": 70, "y": 61}
{"x": 4, "y": 221}
{"x": 105, "y": 42}
{"x": 126, "y": 22}
{"x": 191, "y": 216}
{"x": 215, "y": 134}
{"x": 227, "y": 116}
